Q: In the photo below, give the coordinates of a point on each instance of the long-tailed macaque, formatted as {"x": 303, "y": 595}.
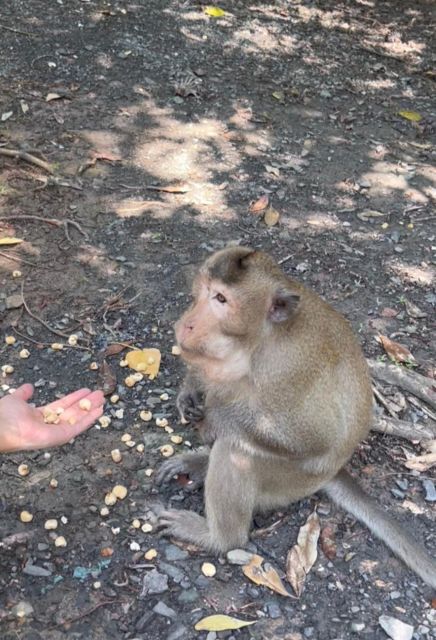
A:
{"x": 280, "y": 389}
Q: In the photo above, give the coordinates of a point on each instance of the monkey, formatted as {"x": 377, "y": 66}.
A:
{"x": 280, "y": 391}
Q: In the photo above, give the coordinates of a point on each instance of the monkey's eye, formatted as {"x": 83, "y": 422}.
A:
{"x": 220, "y": 298}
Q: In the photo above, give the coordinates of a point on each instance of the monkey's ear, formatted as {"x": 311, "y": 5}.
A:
{"x": 283, "y": 305}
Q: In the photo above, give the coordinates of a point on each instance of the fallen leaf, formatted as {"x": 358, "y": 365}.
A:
{"x": 413, "y": 116}
{"x": 275, "y": 171}
{"x": 266, "y": 576}
{"x": 220, "y": 622}
{"x": 328, "y": 542}
{"x": 6, "y": 241}
{"x": 214, "y": 12}
{"x": 413, "y": 311}
{"x": 396, "y": 351}
{"x": 421, "y": 463}
{"x": 271, "y": 217}
{"x": 411, "y": 506}
{"x": 260, "y": 204}
{"x": 114, "y": 348}
{"x": 387, "y": 312}
{"x": 302, "y": 556}
{"x": 370, "y": 213}
{"x": 52, "y": 96}
{"x": 171, "y": 188}
{"x": 146, "y": 361}
{"x": 107, "y": 380}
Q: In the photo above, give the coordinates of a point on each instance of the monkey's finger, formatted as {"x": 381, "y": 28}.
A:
{"x": 168, "y": 470}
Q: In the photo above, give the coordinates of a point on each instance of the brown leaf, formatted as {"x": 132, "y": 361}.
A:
{"x": 396, "y": 351}
{"x": 411, "y": 506}
{"x": 171, "y": 188}
{"x": 260, "y": 204}
{"x": 114, "y": 348}
{"x": 328, "y": 542}
{"x": 107, "y": 380}
{"x": 421, "y": 463}
{"x": 302, "y": 556}
{"x": 387, "y": 312}
{"x": 295, "y": 572}
{"x": 266, "y": 576}
{"x": 271, "y": 217}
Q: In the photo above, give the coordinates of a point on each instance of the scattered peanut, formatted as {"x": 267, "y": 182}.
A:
{"x": 10, "y": 340}
{"x": 16, "y": 274}
{"x": 146, "y": 527}
{"x": 24, "y": 354}
{"x": 136, "y": 523}
{"x": 146, "y": 416}
{"x": 126, "y": 437}
{"x": 130, "y": 381}
{"x": 104, "y": 421}
{"x": 119, "y": 491}
{"x": 51, "y": 524}
{"x": 208, "y": 569}
{"x": 175, "y": 350}
{"x": 72, "y": 340}
{"x": 93, "y": 366}
{"x": 123, "y": 363}
{"x": 116, "y": 455}
{"x": 85, "y": 404}
{"x": 149, "y": 472}
{"x": 150, "y": 554}
{"x": 168, "y": 429}
{"x": 53, "y": 483}
{"x": 167, "y": 450}
{"x": 114, "y": 398}
{"x": 60, "y": 541}
{"x": 23, "y": 470}
{"x": 176, "y": 439}
{"x": 7, "y": 369}
{"x": 57, "y": 346}
{"x": 104, "y": 511}
{"x": 130, "y": 444}
{"x": 140, "y": 448}
{"x": 25, "y": 516}
{"x": 110, "y": 499}
{"x": 164, "y": 397}
{"x": 161, "y": 422}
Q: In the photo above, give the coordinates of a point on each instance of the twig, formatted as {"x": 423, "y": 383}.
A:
{"x": 86, "y": 613}
{"x": 403, "y": 429}
{"x": 10, "y": 256}
{"x": 40, "y": 320}
{"x": 53, "y": 221}
{"x": 27, "y": 157}
{"x": 380, "y": 397}
{"x": 23, "y": 33}
{"x": 283, "y": 260}
{"x": 414, "y": 383}
{"x": 47, "y": 344}
{"x": 423, "y": 219}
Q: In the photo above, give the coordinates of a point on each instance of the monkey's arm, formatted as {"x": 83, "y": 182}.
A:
{"x": 190, "y": 401}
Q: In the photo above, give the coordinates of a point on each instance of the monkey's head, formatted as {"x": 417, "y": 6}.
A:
{"x": 239, "y": 296}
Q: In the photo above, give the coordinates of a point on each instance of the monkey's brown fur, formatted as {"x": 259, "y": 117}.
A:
{"x": 286, "y": 397}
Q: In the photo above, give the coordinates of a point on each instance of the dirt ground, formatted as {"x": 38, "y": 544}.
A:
{"x": 299, "y": 100}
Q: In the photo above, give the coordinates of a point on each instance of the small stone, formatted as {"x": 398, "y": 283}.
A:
{"x": 119, "y": 491}
{"x": 274, "y": 610}
{"x": 239, "y": 556}
{"x": 119, "y": 413}
{"x": 430, "y": 491}
{"x": 357, "y": 627}
{"x": 22, "y": 609}
{"x": 25, "y": 516}
{"x": 188, "y": 596}
{"x": 208, "y": 569}
{"x": 104, "y": 421}
{"x": 51, "y": 524}
{"x": 60, "y": 541}
{"x": 177, "y": 633}
{"x": 149, "y": 472}
{"x": 23, "y": 470}
{"x": 396, "y": 629}
{"x": 35, "y": 571}
{"x": 14, "y": 302}
{"x": 96, "y": 585}
{"x": 164, "y": 610}
{"x": 116, "y": 455}
{"x": 154, "y": 582}
{"x": 151, "y": 554}
{"x": 164, "y": 397}
{"x": 85, "y": 404}
{"x": 173, "y": 553}
{"x": 10, "y": 340}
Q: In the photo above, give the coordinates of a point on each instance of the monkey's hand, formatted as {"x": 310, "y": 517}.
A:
{"x": 184, "y": 525}
{"x": 193, "y": 463}
{"x": 190, "y": 404}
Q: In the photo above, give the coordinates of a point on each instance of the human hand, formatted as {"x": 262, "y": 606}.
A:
{"x": 22, "y": 427}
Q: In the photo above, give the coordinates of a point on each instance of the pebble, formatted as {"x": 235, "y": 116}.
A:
{"x": 154, "y": 582}
{"x": 211, "y": 635}
{"x": 396, "y": 629}
{"x": 273, "y": 610}
{"x": 35, "y": 571}
{"x": 173, "y": 553}
{"x": 239, "y": 556}
{"x": 356, "y": 627}
{"x": 430, "y": 491}
{"x": 394, "y": 595}
{"x": 174, "y": 572}
{"x": 178, "y": 632}
{"x": 188, "y": 596}
{"x": 163, "y": 610}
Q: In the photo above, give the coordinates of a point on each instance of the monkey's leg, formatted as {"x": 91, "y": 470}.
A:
{"x": 193, "y": 463}
{"x": 230, "y": 500}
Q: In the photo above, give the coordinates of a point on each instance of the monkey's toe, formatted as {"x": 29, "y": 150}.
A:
{"x": 168, "y": 470}
{"x": 182, "y": 524}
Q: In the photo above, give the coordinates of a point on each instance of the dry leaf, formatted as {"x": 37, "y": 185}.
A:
{"x": 6, "y": 241}
{"x": 411, "y": 506}
{"x": 369, "y": 213}
{"x": 422, "y": 463}
{"x": 413, "y": 311}
{"x": 52, "y": 96}
{"x": 260, "y": 204}
{"x": 387, "y": 312}
{"x": 171, "y": 188}
{"x": 328, "y": 542}
{"x": 220, "y": 622}
{"x": 146, "y": 361}
{"x": 214, "y": 12}
{"x": 271, "y": 217}
{"x": 396, "y": 351}
{"x": 302, "y": 556}
{"x": 107, "y": 380}
{"x": 412, "y": 116}
{"x": 266, "y": 576}
{"x": 114, "y": 348}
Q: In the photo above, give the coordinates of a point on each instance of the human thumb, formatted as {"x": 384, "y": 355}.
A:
{"x": 25, "y": 392}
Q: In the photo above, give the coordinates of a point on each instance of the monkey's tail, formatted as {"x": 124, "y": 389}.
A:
{"x": 347, "y": 494}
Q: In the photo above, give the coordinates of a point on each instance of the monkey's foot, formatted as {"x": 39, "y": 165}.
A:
{"x": 184, "y": 525}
